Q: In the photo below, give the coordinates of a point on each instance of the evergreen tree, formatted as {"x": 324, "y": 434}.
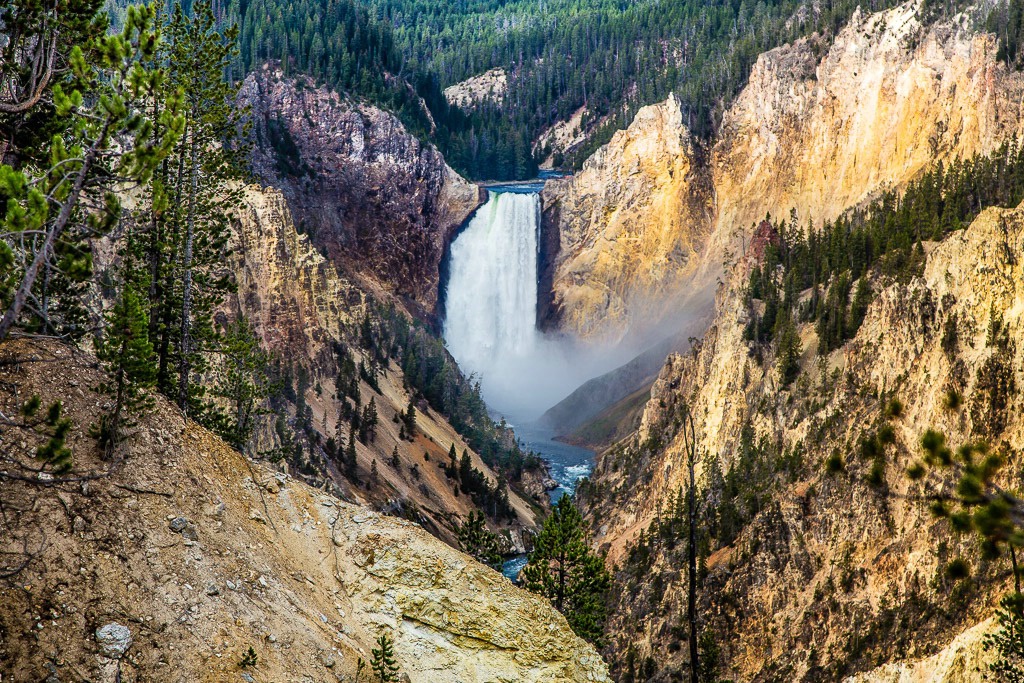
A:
{"x": 105, "y": 139}
{"x": 127, "y": 355}
{"x": 53, "y": 426}
{"x": 243, "y": 381}
{"x": 351, "y": 459}
{"x": 383, "y": 660}
{"x": 368, "y": 423}
{"x": 39, "y": 38}
{"x": 790, "y": 349}
{"x": 409, "y": 421}
{"x": 200, "y": 195}
{"x": 477, "y": 540}
{"x": 563, "y": 569}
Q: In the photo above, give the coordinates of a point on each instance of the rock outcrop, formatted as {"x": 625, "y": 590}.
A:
{"x": 630, "y": 226}
{"x": 962, "y": 660}
{"x": 379, "y": 202}
{"x": 490, "y": 86}
{"x": 182, "y": 561}
{"x": 561, "y": 138}
{"x": 831, "y": 555}
{"x": 652, "y": 216}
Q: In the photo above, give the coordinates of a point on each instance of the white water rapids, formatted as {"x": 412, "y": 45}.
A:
{"x": 491, "y": 312}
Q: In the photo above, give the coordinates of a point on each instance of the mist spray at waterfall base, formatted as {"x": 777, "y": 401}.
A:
{"x": 491, "y": 305}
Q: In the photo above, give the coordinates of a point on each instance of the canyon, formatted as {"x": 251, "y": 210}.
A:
{"x": 829, "y": 557}
{"x": 376, "y": 275}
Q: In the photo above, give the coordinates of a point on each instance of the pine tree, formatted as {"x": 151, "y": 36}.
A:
{"x": 206, "y": 161}
{"x": 383, "y": 660}
{"x": 368, "y": 423}
{"x": 409, "y": 421}
{"x": 351, "y": 460}
{"x": 790, "y": 349}
{"x": 395, "y": 462}
{"x": 563, "y": 569}
{"x": 477, "y": 540}
{"x": 127, "y": 355}
{"x": 53, "y": 425}
{"x": 106, "y": 139}
{"x": 243, "y": 381}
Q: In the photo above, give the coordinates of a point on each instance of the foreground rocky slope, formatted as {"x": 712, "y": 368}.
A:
{"x": 171, "y": 561}
{"x": 647, "y": 223}
{"x": 815, "y": 572}
{"x": 375, "y": 199}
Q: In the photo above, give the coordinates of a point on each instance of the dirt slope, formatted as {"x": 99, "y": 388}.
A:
{"x": 202, "y": 555}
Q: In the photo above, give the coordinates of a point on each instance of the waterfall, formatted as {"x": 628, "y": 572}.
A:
{"x": 491, "y": 302}
{"x": 491, "y": 312}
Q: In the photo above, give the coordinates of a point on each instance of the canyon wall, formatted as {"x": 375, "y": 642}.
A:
{"x": 645, "y": 227}
{"x": 374, "y": 198}
{"x": 183, "y": 561}
{"x": 303, "y": 308}
{"x": 625, "y": 232}
{"x": 837, "y": 570}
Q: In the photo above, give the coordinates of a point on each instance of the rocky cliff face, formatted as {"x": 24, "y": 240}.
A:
{"x": 379, "y": 202}
{"x": 303, "y": 309}
{"x": 170, "y": 563}
{"x": 489, "y": 86}
{"x": 629, "y": 228}
{"x": 831, "y": 572}
{"x": 650, "y": 217}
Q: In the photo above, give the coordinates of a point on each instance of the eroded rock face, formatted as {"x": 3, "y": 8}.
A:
{"x": 294, "y": 297}
{"x": 962, "y": 660}
{"x": 489, "y": 86}
{"x": 305, "y": 580}
{"x": 889, "y": 99}
{"x": 830, "y": 556}
{"x": 628, "y": 227}
{"x": 815, "y": 135}
{"x": 378, "y": 201}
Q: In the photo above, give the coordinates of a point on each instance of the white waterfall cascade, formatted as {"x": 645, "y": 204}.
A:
{"x": 491, "y": 303}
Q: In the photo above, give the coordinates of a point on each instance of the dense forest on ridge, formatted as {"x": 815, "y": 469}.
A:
{"x": 609, "y": 57}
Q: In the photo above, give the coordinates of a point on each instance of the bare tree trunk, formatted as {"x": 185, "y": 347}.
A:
{"x": 184, "y": 364}
{"x": 691, "y": 607}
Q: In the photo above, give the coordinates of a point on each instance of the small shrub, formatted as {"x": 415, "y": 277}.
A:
{"x": 248, "y": 659}
{"x": 953, "y": 399}
{"x": 834, "y": 463}
{"x": 895, "y": 409}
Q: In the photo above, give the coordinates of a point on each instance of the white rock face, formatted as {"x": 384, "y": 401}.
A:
{"x": 490, "y": 85}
